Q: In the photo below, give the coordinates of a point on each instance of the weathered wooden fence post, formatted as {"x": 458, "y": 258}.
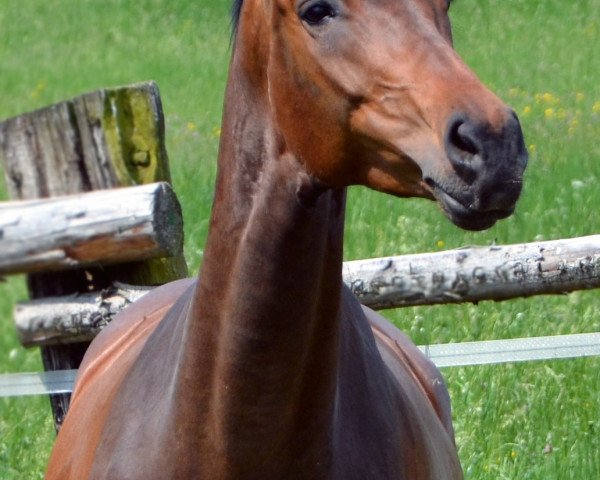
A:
{"x": 105, "y": 139}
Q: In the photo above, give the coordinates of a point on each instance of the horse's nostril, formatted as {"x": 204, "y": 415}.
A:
{"x": 462, "y": 138}
{"x": 463, "y": 147}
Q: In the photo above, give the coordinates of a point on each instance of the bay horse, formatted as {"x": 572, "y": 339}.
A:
{"x": 267, "y": 367}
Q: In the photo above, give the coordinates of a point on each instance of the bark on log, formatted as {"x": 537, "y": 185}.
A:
{"x": 105, "y": 139}
{"x": 97, "y": 228}
{"x": 476, "y": 274}
{"x": 76, "y": 318}
{"x": 465, "y": 275}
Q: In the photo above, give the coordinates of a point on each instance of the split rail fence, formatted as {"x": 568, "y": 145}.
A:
{"x": 95, "y": 225}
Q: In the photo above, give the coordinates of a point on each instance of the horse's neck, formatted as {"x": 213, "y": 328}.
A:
{"x": 266, "y": 310}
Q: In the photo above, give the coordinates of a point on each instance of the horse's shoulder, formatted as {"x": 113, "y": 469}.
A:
{"x": 389, "y": 389}
{"x": 101, "y": 373}
{"x": 400, "y": 352}
{"x": 400, "y": 355}
{"x": 133, "y": 325}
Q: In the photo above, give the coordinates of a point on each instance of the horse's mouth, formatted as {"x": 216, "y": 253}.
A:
{"x": 463, "y": 215}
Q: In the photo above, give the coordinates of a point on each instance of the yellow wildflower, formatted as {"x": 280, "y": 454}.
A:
{"x": 191, "y": 126}
{"x": 38, "y": 90}
{"x": 549, "y": 113}
{"x": 596, "y": 107}
{"x": 550, "y": 99}
{"x": 532, "y": 148}
{"x": 579, "y": 97}
{"x": 440, "y": 244}
{"x": 526, "y": 110}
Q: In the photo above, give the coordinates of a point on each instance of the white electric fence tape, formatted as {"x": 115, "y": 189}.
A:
{"x": 19, "y": 384}
{"x": 443, "y": 355}
{"x": 514, "y": 350}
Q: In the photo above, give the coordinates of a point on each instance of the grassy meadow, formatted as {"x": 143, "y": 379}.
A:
{"x": 518, "y": 421}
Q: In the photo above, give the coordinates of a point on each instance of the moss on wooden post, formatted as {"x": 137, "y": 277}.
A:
{"x": 134, "y": 130}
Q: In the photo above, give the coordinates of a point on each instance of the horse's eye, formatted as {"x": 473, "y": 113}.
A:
{"x": 317, "y": 13}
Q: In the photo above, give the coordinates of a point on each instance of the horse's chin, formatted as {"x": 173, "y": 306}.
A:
{"x": 464, "y": 216}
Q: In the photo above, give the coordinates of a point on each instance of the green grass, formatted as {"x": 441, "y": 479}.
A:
{"x": 524, "y": 421}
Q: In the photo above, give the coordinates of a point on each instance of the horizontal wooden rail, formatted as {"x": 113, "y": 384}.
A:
{"x": 75, "y": 318}
{"x": 100, "y": 227}
{"x": 464, "y": 275}
{"x": 475, "y": 274}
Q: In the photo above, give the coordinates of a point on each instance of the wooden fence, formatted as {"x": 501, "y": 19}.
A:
{"x": 454, "y": 276}
{"x": 103, "y": 250}
{"x": 102, "y": 140}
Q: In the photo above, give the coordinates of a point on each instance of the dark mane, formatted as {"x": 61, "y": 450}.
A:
{"x": 236, "y": 8}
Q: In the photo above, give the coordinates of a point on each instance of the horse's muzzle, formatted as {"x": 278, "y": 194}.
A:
{"x": 486, "y": 175}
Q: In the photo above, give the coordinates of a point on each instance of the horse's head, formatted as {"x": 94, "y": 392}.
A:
{"x": 371, "y": 92}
